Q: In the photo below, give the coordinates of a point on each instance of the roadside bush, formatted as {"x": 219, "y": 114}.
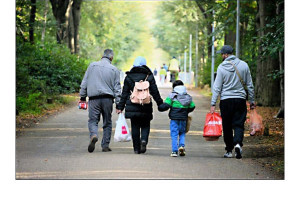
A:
{"x": 45, "y": 70}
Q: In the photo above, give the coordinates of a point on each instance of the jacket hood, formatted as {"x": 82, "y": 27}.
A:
{"x": 181, "y": 95}
{"x": 180, "y": 89}
{"x": 142, "y": 69}
{"x": 226, "y": 64}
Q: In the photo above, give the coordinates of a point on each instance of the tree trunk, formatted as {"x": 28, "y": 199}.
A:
{"x": 230, "y": 32}
{"x": 76, "y": 19}
{"x": 45, "y": 21}
{"x": 280, "y": 114}
{"x": 67, "y": 14}
{"x": 31, "y": 21}
{"x": 208, "y": 17}
{"x": 267, "y": 90}
{"x": 70, "y": 27}
{"x": 59, "y": 8}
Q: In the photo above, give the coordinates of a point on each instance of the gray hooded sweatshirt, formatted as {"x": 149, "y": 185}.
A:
{"x": 101, "y": 78}
{"x": 227, "y": 83}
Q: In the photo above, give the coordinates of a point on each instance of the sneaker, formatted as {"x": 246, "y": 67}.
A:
{"x": 228, "y": 154}
{"x": 93, "y": 141}
{"x": 238, "y": 151}
{"x": 181, "y": 151}
{"x": 143, "y": 146}
{"x": 174, "y": 154}
{"x": 106, "y": 149}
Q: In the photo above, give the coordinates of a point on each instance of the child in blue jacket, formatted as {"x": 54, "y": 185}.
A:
{"x": 180, "y": 104}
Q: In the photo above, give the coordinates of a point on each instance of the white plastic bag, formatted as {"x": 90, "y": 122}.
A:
{"x": 122, "y": 133}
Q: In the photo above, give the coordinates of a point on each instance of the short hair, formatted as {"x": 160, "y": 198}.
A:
{"x": 108, "y": 53}
{"x": 178, "y": 82}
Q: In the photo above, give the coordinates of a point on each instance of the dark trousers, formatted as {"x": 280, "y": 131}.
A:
{"x": 233, "y": 113}
{"x": 140, "y": 129}
{"x": 98, "y": 107}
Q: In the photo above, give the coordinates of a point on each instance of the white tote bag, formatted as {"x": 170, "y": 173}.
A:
{"x": 122, "y": 133}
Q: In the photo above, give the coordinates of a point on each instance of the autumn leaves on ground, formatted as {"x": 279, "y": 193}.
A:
{"x": 266, "y": 149}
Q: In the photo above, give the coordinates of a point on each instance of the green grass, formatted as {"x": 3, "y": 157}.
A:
{"x": 40, "y": 106}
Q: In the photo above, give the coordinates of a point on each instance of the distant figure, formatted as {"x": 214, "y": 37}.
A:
{"x": 163, "y": 75}
{"x": 101, "y": 83}
{"x": 174, "y": 69}
{"x": 165, "y": 67}
{"x": 140, "y": 115}
{"x": 233, "y": 82}
{"x": 155, "y": 72}
{"x": 180, "y": 104}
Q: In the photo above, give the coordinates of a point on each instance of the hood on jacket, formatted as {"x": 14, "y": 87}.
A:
{"x": 142, "y": 69}
{"x": 226, "y": 65}
{"x": 179, "y": 93}
{"x": 180, "y": 89}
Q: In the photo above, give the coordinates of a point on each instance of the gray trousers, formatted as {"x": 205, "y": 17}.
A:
{"x": 98, "y": 107}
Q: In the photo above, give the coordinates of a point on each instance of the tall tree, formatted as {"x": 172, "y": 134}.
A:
{"x": 67, "y": 15}
{"x": 267, "y": 90}
{"x": 45, "y": 20}
{"x": 230, "y": 33}
{"x": 31, "y": 21}
{"x": 206, "y": 9}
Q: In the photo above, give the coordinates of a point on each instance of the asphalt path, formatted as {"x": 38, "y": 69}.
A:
{"x": 57, "y": 149}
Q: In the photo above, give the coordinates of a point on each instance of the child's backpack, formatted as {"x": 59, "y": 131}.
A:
{"x": 141, "y": 94}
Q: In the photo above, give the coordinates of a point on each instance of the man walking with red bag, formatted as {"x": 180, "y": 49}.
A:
{"x": 233, "y": 83}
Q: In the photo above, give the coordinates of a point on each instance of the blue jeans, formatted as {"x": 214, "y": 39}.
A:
{"x": 177, "y": 128}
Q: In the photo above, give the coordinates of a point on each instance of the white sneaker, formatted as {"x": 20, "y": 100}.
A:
{"x": 174, "y": 154}
{"x": 238, "y": 151}
{"x": 228, "y": 154}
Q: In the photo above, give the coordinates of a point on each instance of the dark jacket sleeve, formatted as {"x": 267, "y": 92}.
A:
{"x": 154, "y": 91}
{"x": 163, "y": 107}
{"x": 125, "y": 93}
{"x": 191, "y": 107}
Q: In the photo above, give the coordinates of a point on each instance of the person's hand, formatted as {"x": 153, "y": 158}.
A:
{"x": 252, "y": 106}
{"x": 118, "y": 111}
{"x": 212, "y": 109}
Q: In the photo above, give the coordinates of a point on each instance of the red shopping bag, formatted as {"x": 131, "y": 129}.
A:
{"x": 213, "y": 127}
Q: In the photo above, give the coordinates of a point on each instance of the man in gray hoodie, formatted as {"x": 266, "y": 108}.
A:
{"x": 232, "y": 99}
{"x": 101, "y": 83}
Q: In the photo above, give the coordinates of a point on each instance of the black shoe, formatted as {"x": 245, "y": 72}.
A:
{"x": 93, "y": 141}
{"x": 181, "y": 151}
{"x": 137, "y": 152}
{"x": 238, "y": 151}
{"x": 143, "y": 146}
{"x": 106, "y": 149}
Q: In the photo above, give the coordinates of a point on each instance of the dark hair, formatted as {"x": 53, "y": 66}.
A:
{"x": 178, "y": 82}
{"x": 108, "y": 53}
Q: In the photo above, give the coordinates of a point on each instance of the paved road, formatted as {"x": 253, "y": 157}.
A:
{"x": 57, "y": 149}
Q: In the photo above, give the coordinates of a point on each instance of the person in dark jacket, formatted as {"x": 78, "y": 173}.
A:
{"x": 180, "y": 104}
{"x": 140, "y": 115}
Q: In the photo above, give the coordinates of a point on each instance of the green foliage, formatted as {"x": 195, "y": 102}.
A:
{"x": 31, "y": 103}
{"x": 115, "y": 25}
{"x": 273, "y": 41}
{"x": 46, "y": 70}
{"x": 277, "y": 74}
{"x": 176, "y": 21}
